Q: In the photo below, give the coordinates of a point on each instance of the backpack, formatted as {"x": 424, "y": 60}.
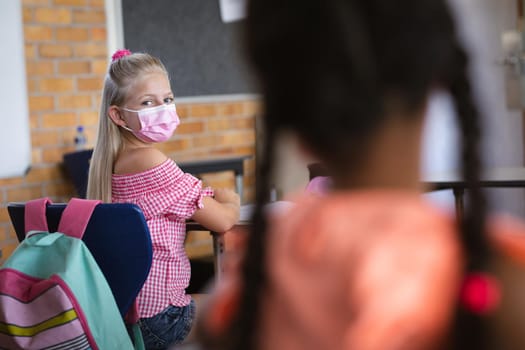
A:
{"x": 53, "y": 295}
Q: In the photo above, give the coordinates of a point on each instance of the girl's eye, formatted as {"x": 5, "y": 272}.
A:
{"x": 168, "y": 100}
{"x": 147, "y": 103}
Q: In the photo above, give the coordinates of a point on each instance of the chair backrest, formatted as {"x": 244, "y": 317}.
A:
{"x": 77, "y": 167}
{"x": 118, "y": 238}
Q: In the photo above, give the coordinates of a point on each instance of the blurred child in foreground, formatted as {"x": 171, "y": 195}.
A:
{"x": 371, "y": 264}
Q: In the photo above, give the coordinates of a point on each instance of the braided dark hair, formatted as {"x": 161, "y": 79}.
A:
{"x": 329, "y": 70}
{"x": 470, "y": 330}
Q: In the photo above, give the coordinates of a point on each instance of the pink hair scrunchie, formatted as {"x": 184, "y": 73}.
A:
{"x": 119, "y": 54}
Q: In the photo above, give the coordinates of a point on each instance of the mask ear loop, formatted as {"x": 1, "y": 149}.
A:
{"x": 125, "y": 127}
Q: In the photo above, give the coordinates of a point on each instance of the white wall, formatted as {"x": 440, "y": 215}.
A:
{"x": 15, "y": 145}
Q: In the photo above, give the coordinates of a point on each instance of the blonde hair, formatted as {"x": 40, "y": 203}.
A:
{"x": 121, "y": 75}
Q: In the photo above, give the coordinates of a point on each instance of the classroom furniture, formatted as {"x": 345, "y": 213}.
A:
{"x": 118, "y": 238}
{"x": 76, "y": 165}
{"x": 235, "y": 164}
{"x": 504, "y": 177}
{"x": 220, "y": 239}
{"x": 501, "y": 177}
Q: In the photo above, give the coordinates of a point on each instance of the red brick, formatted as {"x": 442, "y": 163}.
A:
{"x": 58, "y": 189}
{"x": 244, "y": 150}
{"x": 36, "y": 155}
{"x": 35, "y": 2}
{"x": 89, "y": 84}
{"x": 44, "y": 138}
{"x": 27, "y": 14}
{"x": 252, "y": 107}
{"x": 203, "y": 110}
{"x": 75, "y": 101}
{"x": 91, "y": 16}
{"x": 55, "y": 154}
{"x": 72, "y": 34}
{"x": 37, "y": 33}
{"x": 70, "y": 2}
{"x": 183, "y": 111}
{"x": 55, "y": 50}
{"x": 99, "y": 66}
{"x": 230, "y": 109}
{"x": 11, "y": 181}
{"x": 204, "y": 141}
{"x": 97, "y": 3}
{"x": 40, "y": 68}
{"x": 23, "y": 194}
{"x": 52, "y": 15}
{"x": 41, "y": 103}
{"x": 236, "y": 138}
{"x": 98, "y": 34}
{"x": 34, "y": 120}
{"x": 32, "y": 85}
{"x": 221, "y": 151}
{"x": 29, "y": 51}
{"x": 56, "y": 85}
{"x": 89, "y": 118}
{"x": 174, "y": 145}
{"x": 57, "y": 120}
{"x": 190, "y": 128}
{"x": 7, "y": 248}
{"x": 4, "y": 215}
{"x": 74, "y": 67}
{"x": 219, "y": 124}
{"x": 98, "y": 50}
{"x": 43, "y": 174}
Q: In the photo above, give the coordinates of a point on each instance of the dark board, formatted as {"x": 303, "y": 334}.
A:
{"x": 202, "y": 53}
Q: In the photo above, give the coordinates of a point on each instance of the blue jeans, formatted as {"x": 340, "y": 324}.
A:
{"x": 171, "y": 326}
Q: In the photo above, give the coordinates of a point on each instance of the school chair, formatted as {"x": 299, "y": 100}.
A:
{"x": 76, "y": 165}
{"x": 118, "y": 238}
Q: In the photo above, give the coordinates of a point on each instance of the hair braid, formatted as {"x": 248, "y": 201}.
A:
{"x": 470, "y": 329}
{"x": 253, "y": 270}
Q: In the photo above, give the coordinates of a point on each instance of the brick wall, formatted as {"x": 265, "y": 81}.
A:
{"x": 66, "y": 58}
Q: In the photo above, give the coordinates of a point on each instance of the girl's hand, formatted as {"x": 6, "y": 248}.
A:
{"x": 224, "y": 195}
{"x": 220, "y": 213}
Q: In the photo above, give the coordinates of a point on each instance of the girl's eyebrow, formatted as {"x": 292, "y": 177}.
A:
{"x": 169, "y": 93}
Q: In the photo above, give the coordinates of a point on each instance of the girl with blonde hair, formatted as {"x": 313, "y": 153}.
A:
{"x": 138, "y": 111}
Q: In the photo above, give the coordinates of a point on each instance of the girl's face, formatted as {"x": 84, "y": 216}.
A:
{"x": 151, "y": 90}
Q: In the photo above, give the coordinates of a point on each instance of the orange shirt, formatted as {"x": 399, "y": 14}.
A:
{"x": 369, "y": 270}
{"x": 360, "y": 270}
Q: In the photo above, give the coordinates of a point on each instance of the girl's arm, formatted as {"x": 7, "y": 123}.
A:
{"x": 220, "y": 213}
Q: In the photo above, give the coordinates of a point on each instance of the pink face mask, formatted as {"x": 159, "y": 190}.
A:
{"x": 157, "y": 124}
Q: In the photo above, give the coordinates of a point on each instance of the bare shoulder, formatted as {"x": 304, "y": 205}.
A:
{"x": 138, "y": 159}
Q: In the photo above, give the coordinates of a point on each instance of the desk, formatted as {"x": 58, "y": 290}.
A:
{"x": 219, "y": 243}
{"x": 496, "y": 177}
{"x": 219, "y": 238}
{"x": 235, "y": 164}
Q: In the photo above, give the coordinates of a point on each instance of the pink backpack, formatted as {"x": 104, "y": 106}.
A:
{"x": 52, "y": 292}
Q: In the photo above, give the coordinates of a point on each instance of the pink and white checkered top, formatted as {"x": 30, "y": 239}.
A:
{"x": 168, "y": 197}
